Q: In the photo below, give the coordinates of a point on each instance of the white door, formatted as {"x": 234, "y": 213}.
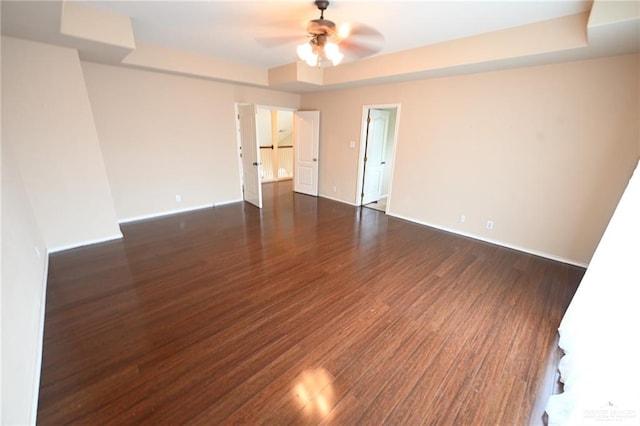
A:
{"x": 306, "y": 140}
{"x": 251, "y": 173}
{"x": 375, "y": 155}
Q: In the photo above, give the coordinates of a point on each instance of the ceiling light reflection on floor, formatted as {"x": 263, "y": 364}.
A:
{"x": 314, "y": 392}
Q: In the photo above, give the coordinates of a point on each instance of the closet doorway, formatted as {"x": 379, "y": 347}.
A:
{"x": 377, "y": 153}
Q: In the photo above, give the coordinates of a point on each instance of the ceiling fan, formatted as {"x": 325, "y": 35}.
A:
{"x": 328, "y": 42}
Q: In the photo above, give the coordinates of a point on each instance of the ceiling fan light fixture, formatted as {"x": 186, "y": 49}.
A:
{"x": 324, "y": 39}
{"x": 312, "y": 60}
{"x": 344, "y": 30}
{"x": 312, "y": 52}
{"x": 305, "y": 51}
{"x": 332, "y": 52}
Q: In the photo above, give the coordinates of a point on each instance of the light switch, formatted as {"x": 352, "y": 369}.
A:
{"x": 352, "y": 144}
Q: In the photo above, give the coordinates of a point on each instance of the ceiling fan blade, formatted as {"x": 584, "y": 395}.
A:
{"x": 364, "y": 30}
{"x": 291, "y": 21}
{"x": 359, "y": 50}
{"x": 360, "y": 40}
{"x": 279, "y": 40}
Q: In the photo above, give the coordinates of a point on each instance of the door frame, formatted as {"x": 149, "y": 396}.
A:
{"x": 239, "y": 138}
{"x": 236, "y": 119}
{"x": 297, "y": 187}
{"x": 241, "y": 154}
{"x": 277, "y": 109}
{"x": 361, "y": 152}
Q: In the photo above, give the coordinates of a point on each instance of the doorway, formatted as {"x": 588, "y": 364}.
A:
{"x": 376, "y": 157}
{"x": 276, "y": 144}
{"x": 275, "y": 138}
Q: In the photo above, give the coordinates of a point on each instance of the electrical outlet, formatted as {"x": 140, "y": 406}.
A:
{"x": 462, "y": 218}
{"x": 489, "y": 224}
{"x": 335, "y": 188}
{"x": 178, "y": 198}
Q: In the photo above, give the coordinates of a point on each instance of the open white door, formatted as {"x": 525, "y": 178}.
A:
{"x": 375, "y": 155}
{"x": 306, "y": 140}
{"x": 251, "y": 183}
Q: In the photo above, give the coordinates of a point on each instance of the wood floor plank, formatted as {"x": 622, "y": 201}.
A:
{"x": 455, "y": 388}
{"x": 305, "y": 312}
{"x": 376, "y": 380}
{"x": 472, "y": 406}
{"x": 261, "y": 387}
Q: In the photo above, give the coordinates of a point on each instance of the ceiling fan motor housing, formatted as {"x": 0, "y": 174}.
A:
{"x": 321, "y": 26}
{"x": 322, "y": 4}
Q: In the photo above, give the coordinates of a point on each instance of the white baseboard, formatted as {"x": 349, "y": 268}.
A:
{"x": 85, "y": 243}
{"x": 224, "y": 203}
{"x": 185, "y": 210}
{"x": 336, "y": 199}
{"x": 496, "y": 242}
{"x": 165, "y": 213}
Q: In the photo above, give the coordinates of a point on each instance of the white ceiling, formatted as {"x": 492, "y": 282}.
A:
{"x": 231, "y": 41}
{"x": 237, "y": 30}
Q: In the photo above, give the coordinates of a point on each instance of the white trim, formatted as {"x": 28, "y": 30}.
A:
{"x": 85, "y": 243}
{"x": 38, "y": 366}
{"x": 224, "y": 203}
{"x": 278, "y": 108}
{"x": 142, "y": 217}
{"x": 361, "y": 148}
{"x": 236, "y": 119}
{"x": 363, "y": 138}
{"x": 166, "y": 213}
{"x": 393, "y": 155}
{"x": 496, "y": 242}
{"x": 335, "y": 199}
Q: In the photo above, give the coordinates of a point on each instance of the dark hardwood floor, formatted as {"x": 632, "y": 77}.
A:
{"x": 307, "y": 311}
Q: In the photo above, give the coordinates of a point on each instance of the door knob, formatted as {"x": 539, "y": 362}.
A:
{"x": 315, "y": 159}
{"x": 256, "y": 164}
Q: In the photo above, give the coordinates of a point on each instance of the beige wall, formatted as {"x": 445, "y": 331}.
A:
{"x": 24, "y": 266}
{"x": 544, "y": 152}
{"x": 55, "y": 194}
{"x": 47, "y": 119}
{"x": 165, "y": 135}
